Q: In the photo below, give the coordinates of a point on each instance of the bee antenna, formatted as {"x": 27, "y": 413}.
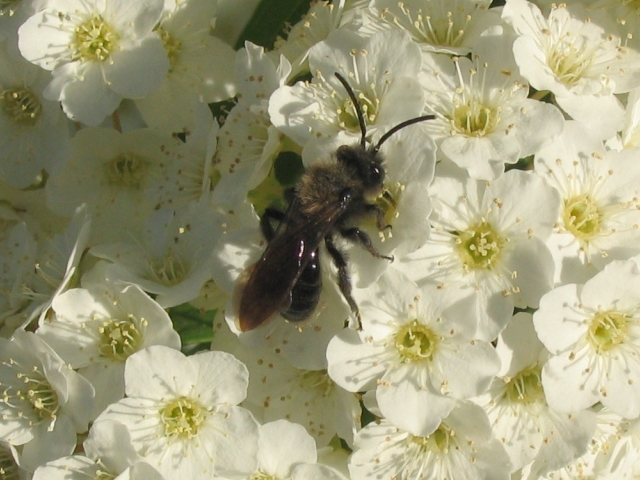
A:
{"x": 400, "y": 126}
{"x": 356, "y": 105}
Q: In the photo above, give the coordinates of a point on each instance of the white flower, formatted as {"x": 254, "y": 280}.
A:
{"x": 488, "y": 238}
{"x": 286, "y": 450}
{"x": 619, "y": 457}
{"x": 33, "y": 130}
{"x": 520, "y": 418}
{"x": 593, "y": 334}
{"x": 461, "y": 447}
{"x": 384, "y": 82}
{"x": 314, "y": 26}
{"x": 98, "y": 52}
{"x": 580, "y": 63}
{"x": 609, "y": 428}
{"x": 44, "y": 403}
{"x": 484, "y": 119}
{"x": 418, "y": 351}
{"x": 304, "y": 343}
{"x": 436, "y": 25}
{"x": 599, "y": 215}
{"x": 17, "y": 258}
{"x": 12, "y": 15}
{"x": 115, "y": 174}
{"x": 181, "y": 413}
{"x": 56, "y": 265}
{"x": 8, "y": 465}
{"x": 109, "y": 454}
{"x": 173, "y": 257}
{"x": 39, "y": 255}
{"x": 187, "y": 173}
{"x": 248, "y": 143}
{"x": 629, "y": 137}
{"x": 280, "y": 390}
{"x": 621, "y": 18}
{"x": 198, "y": 67}
{"x": 96, "y": 328}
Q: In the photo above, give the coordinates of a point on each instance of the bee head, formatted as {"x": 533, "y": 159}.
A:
{"x": 368, "y": 162}
{"x": 365, "y": 165}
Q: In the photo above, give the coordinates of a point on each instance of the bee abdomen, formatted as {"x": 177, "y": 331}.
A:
{"x": 305, "y": 294}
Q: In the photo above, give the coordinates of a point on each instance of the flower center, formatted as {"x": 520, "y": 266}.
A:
{"x": 526, "y": 386}
{"x": 94, "y": 40}
{"x": 182, "y": 418}
{"x": 568, "y": 61}
{"x": 22, "y": 106}
{"x": 8, "y": 7}
{"x": 388, "y": 202}
{"x": 126, "y": 170}
{"x": 439, "y": 441}
{"x": 8, "y": 468}
{"x": 479, "y": 247}
{"x": 32, "y": 389}
{"x": 347, "y": 116}
{"x": 120, "y": 338}
{"x": 169, "y": 270}
{"x": 415, "y": 342}
{"x": 171, "y": 45}
{"x": 102, "y": 475}
{"x": 582, "y": 217}
{"x": 475, "y": 119}
{"x": 316, "y": 379}
{"x": 260, "y": 475}
{"x": 607, "y": 330}
{"x": 436, "y": 24}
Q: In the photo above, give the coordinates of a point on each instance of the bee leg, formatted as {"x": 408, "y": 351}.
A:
{"x": 265, "y": 221}
{"x": 379, "y": 213}
{"x": 356, "y": 235}
{"x": 271, "y": 213}
{"x": 344, "y": 282}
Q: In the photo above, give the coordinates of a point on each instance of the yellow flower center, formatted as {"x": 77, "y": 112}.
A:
{"x": 22, "y": 105}
{"x": 316, "y": 379}
{"x": 8, "y": 467}
{"x": 415, "y": 342}
{"x": 94, "y": 40}
{"x": 126, "y": 170}
{"x": 438, "y": 442}
{"x": 119, "y": 338}
{"x": 260, "y": 475}
{"x": 36, "y": 391}
{"x": 182, "y": 418}
{"x": 569, "y": 61}
{"x": 607, "y": 330}
{"x": 526, "y": 386}
{"x": 347, "y": 116}
{"x": 582, "y": 217}
{"x": 8, "y": 7}
{"x": 479, "y": 246}
{"x": 474, "y": 118}
{"x": 169, "y": 270}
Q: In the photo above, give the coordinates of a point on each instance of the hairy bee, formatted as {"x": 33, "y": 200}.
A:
{"x": 329, "y": 200}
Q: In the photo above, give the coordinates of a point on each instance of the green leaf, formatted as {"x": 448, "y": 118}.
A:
{"x": 194, "y": 326}
{"x": 288, "y": 168}
{"x": 270, "y": 19}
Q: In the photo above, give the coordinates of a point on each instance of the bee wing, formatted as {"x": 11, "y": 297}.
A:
{"x": 268, "y": 288}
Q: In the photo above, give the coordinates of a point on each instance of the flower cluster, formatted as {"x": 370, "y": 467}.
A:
{"x": 477, "y": 317}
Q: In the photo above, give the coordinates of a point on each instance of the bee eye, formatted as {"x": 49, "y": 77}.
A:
{"x": 376, "y": 173}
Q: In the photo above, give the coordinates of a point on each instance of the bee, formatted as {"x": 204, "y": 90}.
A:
{"x": 328, "y": 201}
